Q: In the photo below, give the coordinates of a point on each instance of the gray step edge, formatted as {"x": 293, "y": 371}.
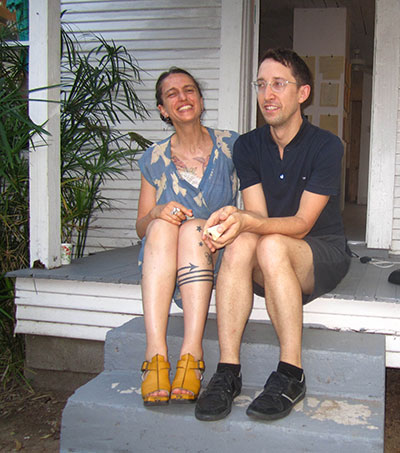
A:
{"x": 109, "y": 411}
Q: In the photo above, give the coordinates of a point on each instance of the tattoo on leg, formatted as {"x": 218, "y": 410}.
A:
{"x": 209, "y": 258}
{"x": 193, "y": 274}
{"x": 198, "y": 228}
{"x": 201, "y": 244}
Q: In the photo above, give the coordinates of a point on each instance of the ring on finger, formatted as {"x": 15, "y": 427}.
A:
{"x": 175, "y": 211}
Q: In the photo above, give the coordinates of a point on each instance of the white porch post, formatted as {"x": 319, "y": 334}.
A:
{"x": 44, "y": 161}
{"x": 385, "y": 106}
{"x": 238, "y": 61}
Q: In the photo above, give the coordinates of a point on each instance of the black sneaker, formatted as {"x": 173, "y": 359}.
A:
{"x": 279, "y": 396}
{"x": 215, "y": 402}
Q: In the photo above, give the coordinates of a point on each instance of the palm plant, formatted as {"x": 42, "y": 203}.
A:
{"x": 16, "y": 131}
{"x": 98, "y": 89}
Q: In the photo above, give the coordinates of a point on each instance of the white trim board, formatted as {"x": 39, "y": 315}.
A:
{"x": 88, "y": 310}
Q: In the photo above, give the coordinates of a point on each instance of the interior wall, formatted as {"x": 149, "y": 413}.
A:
{"x": 331, "y": 26}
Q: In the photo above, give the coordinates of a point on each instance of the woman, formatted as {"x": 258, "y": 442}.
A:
{"x": 185, "y": 178}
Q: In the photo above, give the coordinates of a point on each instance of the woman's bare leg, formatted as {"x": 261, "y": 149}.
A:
{"x": 158, "y": 284}
{"x": 195, "y": 279}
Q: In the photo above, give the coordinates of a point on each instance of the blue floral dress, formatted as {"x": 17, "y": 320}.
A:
{"x": 218, "y": 186}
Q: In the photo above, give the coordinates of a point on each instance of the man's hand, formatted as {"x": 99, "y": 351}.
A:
{"x": 228, "y": 222}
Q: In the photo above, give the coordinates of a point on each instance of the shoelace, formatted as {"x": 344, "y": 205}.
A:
{"x": 275, "y": 384}
{"x": 220, "y": 382}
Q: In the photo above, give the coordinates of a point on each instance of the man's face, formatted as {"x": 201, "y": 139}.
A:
{"x": 279, "y": 108}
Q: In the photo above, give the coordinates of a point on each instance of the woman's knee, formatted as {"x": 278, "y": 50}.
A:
{"x": 159, "y": 231}
{"x": 191, "y": 231}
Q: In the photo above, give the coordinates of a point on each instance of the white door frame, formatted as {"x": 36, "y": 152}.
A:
{"x": 238, "y": 64}
{"x": 384, "y": 117}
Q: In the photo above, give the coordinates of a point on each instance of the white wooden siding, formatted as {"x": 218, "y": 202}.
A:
{"x": 396, "y": 201}
{"x": 384, "y": 127}
{"x": 158, "y": 34}
{"x": 88, "y": 310}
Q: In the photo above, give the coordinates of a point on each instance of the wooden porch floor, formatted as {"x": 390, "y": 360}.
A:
{"x": 92, "y": 295}
{"x": 364, "y": 281}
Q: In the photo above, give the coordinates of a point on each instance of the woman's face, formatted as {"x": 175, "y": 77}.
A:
{"x": 182, "y": 102}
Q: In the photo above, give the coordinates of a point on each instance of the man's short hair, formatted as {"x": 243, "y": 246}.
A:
{"x": 291, "y": 60}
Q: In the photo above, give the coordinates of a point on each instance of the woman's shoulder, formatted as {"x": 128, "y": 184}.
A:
{"x": 226, "y": 135}
{"x": 161, "y": 144}
{"x": 155, "y": 152}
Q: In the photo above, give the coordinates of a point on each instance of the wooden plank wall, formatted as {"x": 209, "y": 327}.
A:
{"x": 88, "y": 310}
{"x": 159, "y": 34}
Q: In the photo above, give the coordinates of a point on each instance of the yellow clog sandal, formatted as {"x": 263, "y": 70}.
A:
{"x": 155, "y": 377}
{"x": 186, "y": 378}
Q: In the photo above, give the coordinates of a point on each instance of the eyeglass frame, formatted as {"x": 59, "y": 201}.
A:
{"x": 258, "y": 88}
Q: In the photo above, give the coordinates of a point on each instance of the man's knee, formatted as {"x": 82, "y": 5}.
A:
{"x": 273, "y": 250}
{"x": 241, "y": 250}
{"x": 271, "y": 245}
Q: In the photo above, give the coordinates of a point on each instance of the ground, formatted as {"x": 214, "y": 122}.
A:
{"x": 30, "y": 422}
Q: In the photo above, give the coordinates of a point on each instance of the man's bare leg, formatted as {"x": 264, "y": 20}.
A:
{"x": 286, "y": 265}
{"x": 234, "y": 303}
{"x": 287, "y": 268}
{"x": 234, "y": 295}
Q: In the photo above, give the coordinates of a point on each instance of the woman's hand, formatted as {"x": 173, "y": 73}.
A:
{"x": 148, "y": 210}
{"x": 172, "y": 212}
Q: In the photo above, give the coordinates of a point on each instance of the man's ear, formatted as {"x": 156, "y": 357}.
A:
{"x": 304, "y": 93}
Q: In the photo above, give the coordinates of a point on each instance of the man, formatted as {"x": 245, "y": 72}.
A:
{"x": 288, "y": 242}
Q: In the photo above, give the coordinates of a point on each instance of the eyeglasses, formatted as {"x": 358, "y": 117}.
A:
{"x": 277, "y": 85}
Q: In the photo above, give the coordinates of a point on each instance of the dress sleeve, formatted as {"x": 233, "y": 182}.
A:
{"x": 145, "y": 166}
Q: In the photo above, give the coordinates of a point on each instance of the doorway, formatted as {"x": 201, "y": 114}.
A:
{"x": 277, "y": 30}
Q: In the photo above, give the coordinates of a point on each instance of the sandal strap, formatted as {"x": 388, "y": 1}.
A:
{"x": 185, "y": 377}
{"x": 191, "y": 364}
{"x": 157, "y": 362}
{"x": 156, "y": 377}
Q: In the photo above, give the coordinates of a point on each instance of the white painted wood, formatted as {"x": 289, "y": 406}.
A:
{"x": 81, "y": 303}
{"x": 249, "y": 64}
{"x": 235, "y": 65}
{"x": 365, "y": 140}
{"x": 68, "y": 316}
{"x": 158, "y": 35}
{"x": 88, "y": 310}
{"x": 392, "y": 359}
{"x": 385, "y": 105}
{"x": 392, "y": 351}
{"x": 255, "y": 45}
{"x": 114, "y": 291}
{"x": 62, "y": 330}
{"x": 44, "y": 159}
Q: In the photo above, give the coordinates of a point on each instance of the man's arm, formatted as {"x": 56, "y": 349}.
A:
{"x": 256, "y": 220}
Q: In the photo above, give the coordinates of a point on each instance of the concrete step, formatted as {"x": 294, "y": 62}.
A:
{"x": 343, "y": 409}
{"x": 351, "y": 363}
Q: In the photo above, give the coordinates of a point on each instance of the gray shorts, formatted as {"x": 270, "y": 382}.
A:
{"x": 331, "y": 256}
